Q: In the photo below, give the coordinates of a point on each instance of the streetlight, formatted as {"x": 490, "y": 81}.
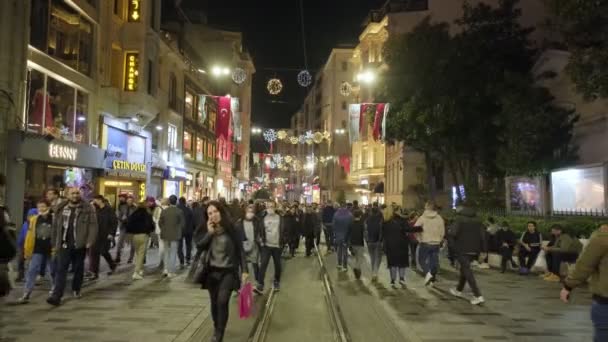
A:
{"x": 256, "y": 130}
{"x": 340, "y": 131}
{"x": 218, "y": 71}
{"x": 366, "y": 77}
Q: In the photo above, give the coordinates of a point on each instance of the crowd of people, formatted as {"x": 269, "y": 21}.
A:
{"x": 227, "y": 242}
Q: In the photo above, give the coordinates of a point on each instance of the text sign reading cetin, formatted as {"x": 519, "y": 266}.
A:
{"x": 131, "y": 71}
{"x": 134, "y": 11}
{"x": 125, "y": 165}
{"x": 57, "y": 151}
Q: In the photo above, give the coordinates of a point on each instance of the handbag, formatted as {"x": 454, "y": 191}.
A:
{"x": 201, "y": 269}
{"x": 246, "y": 301}
{"x": 540, "y": 264}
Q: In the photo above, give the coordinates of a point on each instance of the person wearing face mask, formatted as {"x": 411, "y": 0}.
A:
{"x": 37, "y": 247}
{"x": 74, "y": 231}
{"x": 272, "y": 243}
{"x": 250, "y": 230}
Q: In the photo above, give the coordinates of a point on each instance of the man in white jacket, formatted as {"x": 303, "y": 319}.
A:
{"x": 433, "y": 232}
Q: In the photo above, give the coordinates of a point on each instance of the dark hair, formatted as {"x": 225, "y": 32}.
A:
{"x": 44, "y": 201}
{"x": 491, "y": 219}
{"x": 182, "y": 200}
{"x": 533, "y": 223}
{"x": 195, "y": 204}
{"x": 54, "y": 191}
{"x": 99, "y": 197}
{"x": 206, "y": 198}
{"x": 225, "y": 220}
{"x": 173, "y": 200}
{"x": 557, "y": 226}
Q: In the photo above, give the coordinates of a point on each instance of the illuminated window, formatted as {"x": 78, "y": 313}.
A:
{"x": 188, "y": 141}
{"x": 189, "y": 105}
{"x": 172, "y": 137}
{"x": 199, "y": 149}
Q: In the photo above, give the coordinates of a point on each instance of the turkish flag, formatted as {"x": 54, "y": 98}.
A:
{"x": 377, "y": 132}
{"x": 222, "y": 124}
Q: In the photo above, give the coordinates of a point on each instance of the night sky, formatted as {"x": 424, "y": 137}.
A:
{"x": 272, "y": 35}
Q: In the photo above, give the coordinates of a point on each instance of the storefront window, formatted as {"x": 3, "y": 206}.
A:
{"x": 199, "y": 149}
{"x": 188, "y": 144}
{"x": 62, "y": 104}
{"x": 82, "y": 105}
{"x": 189, "y": 107}
{"x": 172, "y": 136}
{"x": 62, "y": 32}
{"x": 38, "y": 108}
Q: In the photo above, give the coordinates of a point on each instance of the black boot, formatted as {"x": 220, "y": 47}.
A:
{"x": 357, "y": 273}
{"x": 218, "y": 336}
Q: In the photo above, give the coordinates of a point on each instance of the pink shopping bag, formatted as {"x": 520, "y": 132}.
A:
{"x": 246, "y": 301}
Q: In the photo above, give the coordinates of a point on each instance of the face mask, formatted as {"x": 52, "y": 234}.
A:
{"x": 249, "y": 216}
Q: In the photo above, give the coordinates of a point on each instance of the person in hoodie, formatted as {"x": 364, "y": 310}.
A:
{"x": 506, "y": 241}
{"x": 355, "y": 240}
{"x": 140, "y": 225}
{"x": 310, "y": 224}
{"x": 340, "y": 223}
{"x": 433, "y": 233}
{"x": 530, "y": 245}
{"x": 467, "y": 235}
{"x": 373, "y": 226}
{"x": 37, "y": 247}
{"x": 185, "y": 257}
{"x": 107, "y": 223}
{"x": 566, "y": 249}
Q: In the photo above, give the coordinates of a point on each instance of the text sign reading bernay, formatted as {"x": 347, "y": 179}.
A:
{"x": 125, "y": 165}
{"x": 57, "y": 151}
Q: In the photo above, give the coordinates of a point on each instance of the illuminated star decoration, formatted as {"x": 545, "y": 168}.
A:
{"x": 239, "y": 75}
{"x": 309, "y": 135}
{"x": 302, "y": 139}
{"x": 274, "y": 86}
{"x": 270, "y": 135}
{"x": 345, "y": 89}
{"x": 304, "y": 78}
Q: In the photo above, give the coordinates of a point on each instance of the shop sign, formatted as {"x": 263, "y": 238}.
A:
{"x": 142, "y": 191}
{"x": 126, "y": 154}
{"x": 134, "y": 11}
{"x": 127, "y": 166}
{"x": 58, "y": 151}
{"x": 131, "y": 71}
{"x": 173, "y": 172}
{"x": 117, "y": 183}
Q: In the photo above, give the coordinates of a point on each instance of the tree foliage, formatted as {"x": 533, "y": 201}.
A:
{"x": 463, "y": 98}
{"x": 583, "y": 25}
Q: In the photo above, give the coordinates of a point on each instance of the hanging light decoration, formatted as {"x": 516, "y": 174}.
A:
{"x": 317, "y": 137}
{"x": 304, "y": 78}
{"x": 274, "y": 86}
{"x": 294, "y": 140}
{"x": 270, "y": 135}
{"x": 345, "y": 89}
{"x": 282, "y": 134}
{"x": 239, "y": 75}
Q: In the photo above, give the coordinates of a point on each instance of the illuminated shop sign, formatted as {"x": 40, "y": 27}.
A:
{"x": 134, "y": 11}
{"x": 117, "y": 183}
{"x": 128, "y": 166}
{"x": 131, "y": 71}
{"x": 177, "y": 173}
{"x": 142, "y": 190}
{"x": 57, "y": 151}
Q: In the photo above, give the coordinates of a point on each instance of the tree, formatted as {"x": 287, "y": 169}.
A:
{"x": 583, "y": 26}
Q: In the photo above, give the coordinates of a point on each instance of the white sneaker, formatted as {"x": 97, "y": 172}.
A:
{"x": 477, "y": 300}
{"x": 137, "y": 276}
{"x": 428, "y": 278}
{"x": 456, "y": 293}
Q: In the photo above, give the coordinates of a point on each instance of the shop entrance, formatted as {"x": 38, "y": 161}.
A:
{"x": 112, "y": 188}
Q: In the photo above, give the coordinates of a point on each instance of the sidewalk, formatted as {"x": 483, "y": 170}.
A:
{"x": 517, "y": 308}
{"x": 111, "y": 309}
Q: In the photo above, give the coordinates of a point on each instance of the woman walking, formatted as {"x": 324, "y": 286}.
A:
{"x": 139, "y": 226}
{"x": 223, "y": 261}
{"x": 250, "y": 228}
{"x": 396, "y": 244}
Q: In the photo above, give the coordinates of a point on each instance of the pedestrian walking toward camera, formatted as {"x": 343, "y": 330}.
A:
{"x": 74, "y": 230}
{"x": 311, "y": 225}
{"x": 226, "y": 265}
{"x": 327, "y": 217}
{"x": 433, "y": 231}
{"x": 126, "y": 207}
{"x": 140, "y": 225}
{"x": 171, "y": 224}
{"x": 250, "y": 229}
{"x": 187, "y": 232}
{"x": 37, "y": 247}
{"x": 373, "y": 226}
{"x": 107, "y": 223}
{"x": 272, "y": 246}
{"x": 342, "y": 220}
{"x": 592, "y": 267}
{"x": 467, "y": 235}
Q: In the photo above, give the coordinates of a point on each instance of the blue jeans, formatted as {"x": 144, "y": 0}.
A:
{"x": 375, "y": 256}
{"x": 394, "y": 270}
{"x": 64, "y": 258}
{"x": 429, "y": 258}
{"x": 36, "y": 262}
{"x": 342, "y": 253}
{"x": 170, "y": 255}
{"x": 599, "y": 317}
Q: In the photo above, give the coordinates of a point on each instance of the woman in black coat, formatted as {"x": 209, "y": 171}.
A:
{"x": 396, "y": 245}
{"x": 292, "y": 225}
{"x": 223, "y": 261}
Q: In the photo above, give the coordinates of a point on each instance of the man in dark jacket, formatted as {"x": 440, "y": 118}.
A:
{"x": 354, "y": 238}
{"x": 74, "y": 230}
{"x": 310, "y": 225}
{"x": 342, "y": 220}
{"x": 373, "y": 225}
{"x": 126, "y": 207}
{"x": 186, "y": 234}
{"x": 467, "y": 237}
{"x": 506, "y": 240}
{"x": 328, "y": 216}
{"x": 107, "y": 223}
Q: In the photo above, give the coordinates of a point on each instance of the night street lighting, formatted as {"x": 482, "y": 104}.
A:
{"x": 159, "y": 127}
{"x": 340, "y": 131}
{"x": 256, "y": 130}
{"x": 218, "y": 71}
{"x": 366, "y": 77}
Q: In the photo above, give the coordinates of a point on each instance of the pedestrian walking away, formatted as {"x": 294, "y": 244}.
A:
{"x": 327, "y": 217}
{"x": 74, "y": 230}
{"x": 373, "y": 226}
{"x": 37, "y": 247}
{"x": 396, "y": 244}
{"x": 225, "y": 263}
{"x": 342, "y": 220}
{"x": 185, "y": 256}
{"x": 355, "y": 239}
{"x": 139, "y": 226}
{"x": 467, "y": 235}
{"x": 592, "y": 267}
{"x": 126, "y": 207}
{"x": 171, "y": 224}
{"x": 433, "y": 231}
{"x": 272, "y": 245}
{"x": 310, "y": 225}
{"x": 107, "y": 223}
